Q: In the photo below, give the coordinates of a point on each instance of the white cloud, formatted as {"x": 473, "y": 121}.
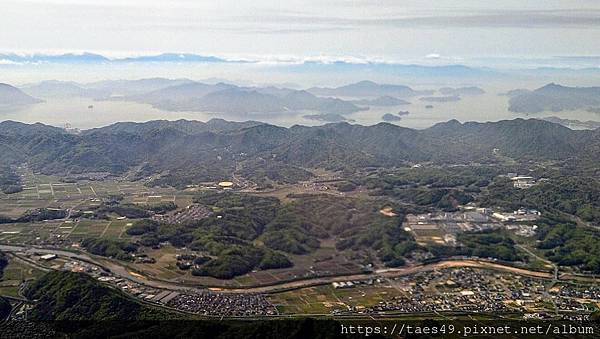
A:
{"x": 392, "y": 29}
{"x": 5, "y": 62}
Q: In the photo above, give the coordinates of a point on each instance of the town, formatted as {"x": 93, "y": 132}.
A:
{"x": 435, "y": 290}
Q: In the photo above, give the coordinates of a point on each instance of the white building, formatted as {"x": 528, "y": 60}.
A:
{"x": 522, "y": 181}
{"x": 48, "y": 257}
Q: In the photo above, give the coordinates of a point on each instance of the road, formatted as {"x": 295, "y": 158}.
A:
{"x": 389, "y": 273}
{"x": 114, "y": 268}
{"x": 123, "y": 272}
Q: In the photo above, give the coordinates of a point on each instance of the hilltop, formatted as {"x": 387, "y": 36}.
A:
{"x": 196, "y": 151}
{"x": 555, "y": 98}
{"x": 12, "y": 96}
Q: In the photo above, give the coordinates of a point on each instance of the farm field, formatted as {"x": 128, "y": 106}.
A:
{"x": 14, "y": 274}
{"x": 42, "y": 191}
{"x": 324, "y": 299}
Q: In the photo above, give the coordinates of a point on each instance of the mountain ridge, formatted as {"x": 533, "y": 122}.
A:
{"x": 554, "y": 97}
{"x": 12, "y": 96}
{"x": 192, "y": 151}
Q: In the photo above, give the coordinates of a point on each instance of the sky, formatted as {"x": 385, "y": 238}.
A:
{"x": 424, "y": 31}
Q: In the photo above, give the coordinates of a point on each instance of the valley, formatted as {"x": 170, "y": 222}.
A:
{"x": 269, "y": 228}
{"x": 299, "y": 169}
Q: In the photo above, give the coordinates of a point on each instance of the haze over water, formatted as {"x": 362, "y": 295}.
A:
{"x": 77, "y": 112}
{"x": 301, "y": 42}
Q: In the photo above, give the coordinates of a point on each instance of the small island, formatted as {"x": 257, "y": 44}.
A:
{"x": 331, "y": 117}
{"x": 389, "y": 117}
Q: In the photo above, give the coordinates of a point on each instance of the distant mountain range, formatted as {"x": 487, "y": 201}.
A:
{"x": 192, "y": 151}
{"x": 327, "y": 66}
{"x": 338, "y": 66}
{"x": 11, "y": 96}
{"x": 102, "y": 90}
{"x": 316, "y": 102}
{"x": 574, "y": 124}
{"x": 87, "y": 58}
{"x": 62, "y": 89}
{"x": 188, "y": 95}
{"x": 133, "y": 87}
{"x": 554, "y": 98}
{"x": 226, "y": 98}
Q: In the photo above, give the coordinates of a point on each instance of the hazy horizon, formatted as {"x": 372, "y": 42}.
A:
{"x": 298, "y": 44}
{"x": 271, "y": 42}
{"x": 411, "y": 31}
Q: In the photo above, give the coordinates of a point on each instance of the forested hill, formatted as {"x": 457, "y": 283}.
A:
{"x": 75, "y": 296}
{"x": 184, "y": 126}
{"x": 215, "y": 147}
{"x": 85, "y": 308}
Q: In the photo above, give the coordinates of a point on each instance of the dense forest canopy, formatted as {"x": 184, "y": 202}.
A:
{"x": 3, "y": 263}
{"x": 76, "y": 296}
{"x": 193, "y": 152}
{"x": 246, "y": 232}
{"x": 578, "y": 196}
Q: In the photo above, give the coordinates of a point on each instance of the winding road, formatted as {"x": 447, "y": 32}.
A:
{"x": 123, "y": 272}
